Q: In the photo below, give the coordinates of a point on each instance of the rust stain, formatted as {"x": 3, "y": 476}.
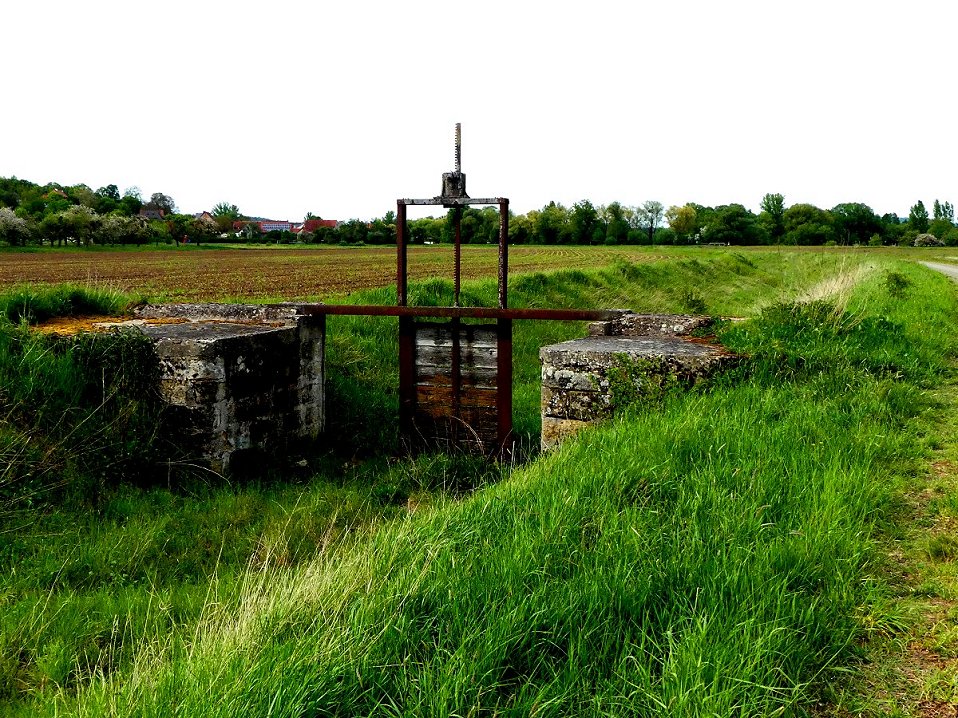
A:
{"x": 68, "y": 326}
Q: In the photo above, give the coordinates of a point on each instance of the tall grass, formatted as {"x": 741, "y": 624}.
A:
{"x": 27, "y": 303}
{"x": 704, "y": 556}
{"x": 74, "y": 413}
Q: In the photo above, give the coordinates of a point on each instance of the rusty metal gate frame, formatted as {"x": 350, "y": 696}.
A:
{"x": 454, "y": 197}
{"x": 408, "y": 324}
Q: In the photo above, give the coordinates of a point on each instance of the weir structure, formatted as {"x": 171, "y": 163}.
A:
{"x": 245, "y": 383}
{"x": 455, "y": 375}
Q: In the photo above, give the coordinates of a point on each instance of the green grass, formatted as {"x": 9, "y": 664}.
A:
{"x": 708, "y": 555}
{"x": 75, "y": 414}
{"x": 26, "y": 303}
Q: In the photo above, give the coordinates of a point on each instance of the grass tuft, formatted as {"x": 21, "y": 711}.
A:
{"x": 33, "y": 305}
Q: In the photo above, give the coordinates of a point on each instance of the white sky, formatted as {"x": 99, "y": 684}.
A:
{"x": 341, "y": 107}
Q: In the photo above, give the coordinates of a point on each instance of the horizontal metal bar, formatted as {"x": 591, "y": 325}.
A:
{"x": 378, "y": 310}
{"x": 453, "y": 201}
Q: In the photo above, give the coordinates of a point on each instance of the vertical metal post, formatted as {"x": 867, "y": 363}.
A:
{"x": 401, "y": 266}
{"x": 457, "y": 253}
{"x": 504, "y": 340}
{"x": 504, "y": 386}
{"x": 503, "y": 251}
{"x": 458, "y": 148}
{"x": 407, "y": 378}
{"x": 407, "y": 335}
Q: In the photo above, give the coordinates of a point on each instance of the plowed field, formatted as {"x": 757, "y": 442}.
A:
{"x": 279, "y": 274}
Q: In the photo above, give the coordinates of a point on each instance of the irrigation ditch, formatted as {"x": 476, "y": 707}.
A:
{"x": 709, "y": 551}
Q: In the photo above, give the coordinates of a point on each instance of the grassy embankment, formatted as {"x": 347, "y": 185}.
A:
{"x": 705, "y": 555}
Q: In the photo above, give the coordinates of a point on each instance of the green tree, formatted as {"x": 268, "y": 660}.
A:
{"x": 806, "y": 224}
{"x": 383, "y": 230}
{"x": 13, "y": 191}
{"x": 180, "y": 226}
{"x": 163, "y": 202}
{"x": 734, "y": 224}
{"x": 54, "y": 228}
{"x": 109, "y": 192}
{"x": 522, "y": 229}
{"x": 584, "y": 223}
{"x": 918, "y": 217}
{"x": 945, "y": 211}
{"x": 489, "y": 232}
{"x": 53, "y": 200}
{"x": 82, "y": 194}
{"x": 252, "y": 232}
{"x": 107, "y": 199}
{"x": 131, "y": 202}
{"x": 940, "y": 227}
{"x": 225, "y": 214}
{"x": 427, "y": 230}
{"x": 649, "y": 216}
{"x": 892, "y": 228}
{"x": 552, "y": 225}
{"x": 855, "y": 222}
{"x": 225, "y": 209}
{"x": 683, "y": 221}
{"x": 772, "y": 216}
{"x": 159, "y": 231}
{"x": 616, "y": 224}
{"x": 354, "y": 231}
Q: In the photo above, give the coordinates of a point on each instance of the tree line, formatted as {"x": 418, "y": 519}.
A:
{"x": 59, "y": 215}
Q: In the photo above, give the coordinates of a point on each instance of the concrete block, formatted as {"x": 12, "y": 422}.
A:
{"x": 649, "y": 350}
{"x": 238, "y": 378}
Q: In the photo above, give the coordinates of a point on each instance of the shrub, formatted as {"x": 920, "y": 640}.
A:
{"x": 928, "y": 240}
{"x": 693, "y": 302}
{"x": 896, "y": 284}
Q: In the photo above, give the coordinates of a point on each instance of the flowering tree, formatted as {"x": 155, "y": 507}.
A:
{"x": 82, "y": 221}
{"x": 13, "y": 229}
{"x": 120, "y": 229}
{"x": 928, "y": 240}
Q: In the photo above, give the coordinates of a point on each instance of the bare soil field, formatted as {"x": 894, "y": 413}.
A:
{"x": 295, "y": 274}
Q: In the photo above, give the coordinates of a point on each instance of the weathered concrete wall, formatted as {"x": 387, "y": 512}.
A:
{"x": 650, "y": 351}
{"x": 240, "y": 379}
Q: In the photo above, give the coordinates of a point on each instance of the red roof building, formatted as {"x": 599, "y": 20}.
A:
{"x": 311, "y": 225}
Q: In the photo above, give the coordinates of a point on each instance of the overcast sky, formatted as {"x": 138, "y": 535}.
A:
{"x": 340, "y": 108}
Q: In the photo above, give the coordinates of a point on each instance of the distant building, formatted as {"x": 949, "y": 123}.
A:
{"x": 274, "y": 225}
{"x": 264, "y": 225}
{"x": 311, "y": 225}
{"x": 152, "y": 213}
{"x": 270, "y": 225}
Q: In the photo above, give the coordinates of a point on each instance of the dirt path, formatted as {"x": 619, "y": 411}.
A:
{"x": 950, "y": 269}
{"x": 909, "y": 653}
